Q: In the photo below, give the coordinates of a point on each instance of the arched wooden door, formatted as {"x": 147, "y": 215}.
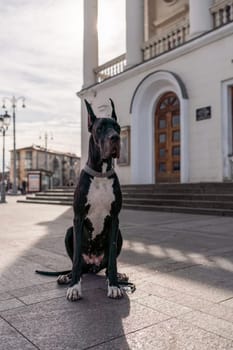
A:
{"x": 167, "y": 139}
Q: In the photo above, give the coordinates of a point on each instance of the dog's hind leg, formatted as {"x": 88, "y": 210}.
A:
{"x": 69, "y": 242}
{"x": 66, "y": 278}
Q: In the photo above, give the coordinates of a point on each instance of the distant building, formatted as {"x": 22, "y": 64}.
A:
{"x": 55, "y": 168}
{"x": 173, "y": 90}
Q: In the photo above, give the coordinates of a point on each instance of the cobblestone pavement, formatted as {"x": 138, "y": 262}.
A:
{"x": 181, "y": 264}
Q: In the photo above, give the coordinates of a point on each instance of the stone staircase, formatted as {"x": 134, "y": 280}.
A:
{"x": 62, "y": 196}
{"x": 197, "y": 198}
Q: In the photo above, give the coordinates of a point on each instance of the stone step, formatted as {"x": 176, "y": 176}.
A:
{"x": 179, "y": 196}
{"x": 60, "y": 190}
{"x": 180, "y": 203}
{"x": 50, "y": 198}
{"x": 180, "y": 188}
{"x": 52, "y": 195}
{"x": 198, "y": 198}
{"x": 53, "y": 202}
{"x": 187, "y": 210}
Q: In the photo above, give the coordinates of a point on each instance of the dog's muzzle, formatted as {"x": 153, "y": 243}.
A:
{"x": 111, "y": 146}
{"x": 115, "y": 145}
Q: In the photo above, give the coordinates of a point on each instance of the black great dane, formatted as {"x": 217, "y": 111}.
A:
{"x": 95, "y": 241}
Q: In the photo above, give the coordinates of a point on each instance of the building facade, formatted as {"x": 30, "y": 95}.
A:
{"x": 56, "y": 168}
{"x": 173, "y": 89}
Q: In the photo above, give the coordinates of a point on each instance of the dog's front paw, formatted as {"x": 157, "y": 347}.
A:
{"x": 75, "y": 292}
{"x": 115, "y": 292}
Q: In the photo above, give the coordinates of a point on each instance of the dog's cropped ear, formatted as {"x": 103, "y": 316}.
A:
{"x": 91, "y": 115}
{"x": 113, "y": 116}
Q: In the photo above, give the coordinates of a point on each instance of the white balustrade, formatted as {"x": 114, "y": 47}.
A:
{"x": 110, "y": 68}
{"x": 222, "y": 12}
{"x": 166, "y": 41}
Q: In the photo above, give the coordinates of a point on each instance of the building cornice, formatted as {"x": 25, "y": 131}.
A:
{"x": 43, "y": 149}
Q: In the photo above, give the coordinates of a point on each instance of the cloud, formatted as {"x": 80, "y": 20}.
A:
{"x": 41, "y": 58}
{"x": 41, "y": 45}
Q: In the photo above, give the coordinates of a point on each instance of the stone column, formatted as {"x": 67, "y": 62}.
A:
{"x": 200, "y": 16}
{"x": 90, "y": 45}
{"x": 134, "y": 31}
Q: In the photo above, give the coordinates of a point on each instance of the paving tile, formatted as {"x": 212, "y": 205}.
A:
{"x": 221, "y": 311}
{"x": 10, "y": 304}
{"x": 42, "y": 296}
{"x": 38, "y": 288}
{"x": 164, "y": 306}
{"x": 169, "y": 335}
{"x": 59, "y": 324}
{"x": 204, "y": 285}
{"x": 209, "y": 323}
{"x": 19, "y": 275}
{"x": 151, "y": 288}
{"x": 195, "y": 303}
{"x": 5, "y": 296}
{"x": 228, "y": 303}
{"x": 11, "y": 339}
{"x": 36, "y": 294}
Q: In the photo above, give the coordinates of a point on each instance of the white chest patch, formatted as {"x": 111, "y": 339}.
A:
{"x": 100, "y": 198}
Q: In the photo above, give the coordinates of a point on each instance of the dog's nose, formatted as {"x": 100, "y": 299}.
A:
{"x": 114, "y": 138}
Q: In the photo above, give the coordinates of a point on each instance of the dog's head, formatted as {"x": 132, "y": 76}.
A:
{"x": 105, "y": 133}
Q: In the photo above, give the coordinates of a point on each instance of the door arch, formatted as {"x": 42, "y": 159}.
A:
{"x": 167, "y": 138}
{"x": 142, "y": 109}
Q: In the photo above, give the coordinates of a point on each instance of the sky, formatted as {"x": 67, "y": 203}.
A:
{"x": 41, "y": 46}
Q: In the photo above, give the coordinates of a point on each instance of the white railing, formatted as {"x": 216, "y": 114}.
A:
{"x": 110, "y": 68}
{"x": 167, "y": 41}
{"x": 222, "y": 13}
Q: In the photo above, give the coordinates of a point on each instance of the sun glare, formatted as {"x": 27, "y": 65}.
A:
{"x": 111, "y": 29}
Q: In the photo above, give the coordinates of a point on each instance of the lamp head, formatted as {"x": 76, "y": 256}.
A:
{"x": 7, "y": 119}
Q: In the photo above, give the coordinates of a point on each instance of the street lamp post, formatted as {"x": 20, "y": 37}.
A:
{"x": 4, "y": 123}
{"x": 13, "y": 101}
{"x": 46, "y": 137}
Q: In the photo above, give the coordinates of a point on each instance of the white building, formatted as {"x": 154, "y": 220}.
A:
{"x": 173, "y": 89}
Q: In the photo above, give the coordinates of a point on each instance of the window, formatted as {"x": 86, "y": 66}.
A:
{"x": 28, "y": 160}
{"x": 176, "y": 166}
{"x": 176, "y": 136}
{"x": 162, "y": 167}
{"x": 175, "y": 120}
{"x": 162, "y": 152}
{"x": 162, "y": 123}
{"x": 162, "y": 138}
{"x": 176, "y": 151}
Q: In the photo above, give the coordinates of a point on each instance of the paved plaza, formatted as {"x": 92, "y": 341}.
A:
{"x": 182, "y": 266}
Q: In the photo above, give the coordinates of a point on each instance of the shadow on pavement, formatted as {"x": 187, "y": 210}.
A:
{"x": 37, "y": 308}
{"x": 158, "y": 248}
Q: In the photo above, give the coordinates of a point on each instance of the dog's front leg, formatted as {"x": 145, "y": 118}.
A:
{"x": 114, "y": 290}
{"x": 74, "y": 292}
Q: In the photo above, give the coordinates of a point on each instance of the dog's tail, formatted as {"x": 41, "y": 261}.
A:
{"x": 52, "y": 273}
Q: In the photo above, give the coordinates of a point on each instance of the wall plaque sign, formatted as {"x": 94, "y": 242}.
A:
{"x": 203, "y": 113}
